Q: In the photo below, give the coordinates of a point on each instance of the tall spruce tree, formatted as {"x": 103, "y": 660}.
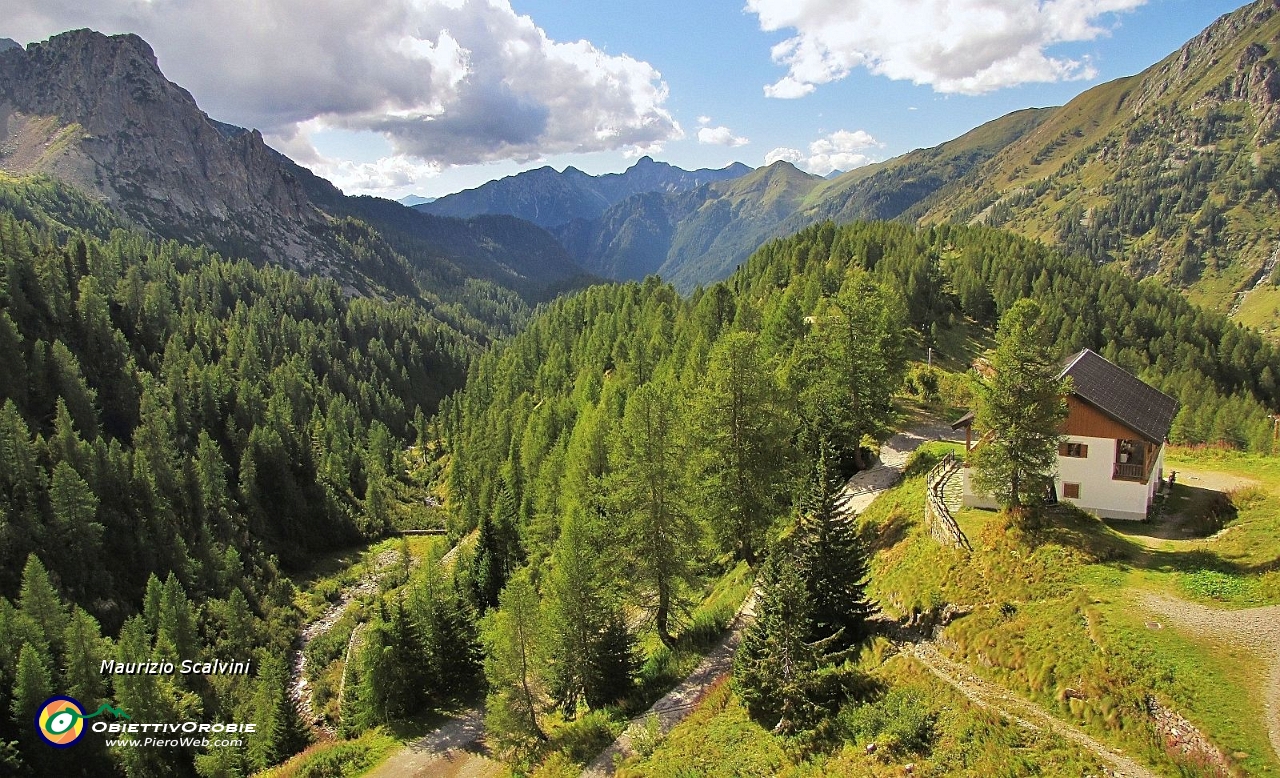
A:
{"x": 834, "y": 560}
{"x": 782, "y": 673}
{"x": 1019, "y": 406}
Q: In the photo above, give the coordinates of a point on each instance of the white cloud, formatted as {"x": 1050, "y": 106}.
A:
{"x": 704, "y": 120}
{"x": 448, "y": 82}
{"x": 379, "y": 177}
{"x": 841, "y": 150}
{"x": 794, "y": 156}
{"x": 720, "y": 136}
{"x": 954, "y": 46}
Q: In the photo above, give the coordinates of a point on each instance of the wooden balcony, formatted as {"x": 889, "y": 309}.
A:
{"x": 1129, "y": 471}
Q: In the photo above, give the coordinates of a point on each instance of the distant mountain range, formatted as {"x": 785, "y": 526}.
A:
{"x": 549, "y": 198}
{"x": 1175, "y": 172}
{"x": 412, "y": 200}
{"x": 700, "y": 236}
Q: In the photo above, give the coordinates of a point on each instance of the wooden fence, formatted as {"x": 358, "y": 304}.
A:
{"x": 937, "y": 516}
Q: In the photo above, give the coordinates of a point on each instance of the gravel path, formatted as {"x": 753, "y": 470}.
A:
{"x": 993, "y": 697}
{"x": 1256, "y": 629}
{"x": 859, "y": 492}
{"x": 454, "y": 750}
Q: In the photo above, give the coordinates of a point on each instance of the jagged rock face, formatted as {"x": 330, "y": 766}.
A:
{"x": 97, "y": 112}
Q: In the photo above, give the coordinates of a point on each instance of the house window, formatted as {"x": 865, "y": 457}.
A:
{"x": 1074, "y": 450}
{"x": 1071, "y": 491}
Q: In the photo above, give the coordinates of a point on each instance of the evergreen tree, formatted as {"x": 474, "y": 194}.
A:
{"x": 661, "y": 536}
{"x": 589, "y": 647}
{"x": 279, "y": 733}
{"x": 32, "y": 686}
{"x": 517, "y": 697}
{"x": 39, "y": 602}
{"x": 741, "y": 433}
{"x": 850, "y": 365}
{"x": 74, "y": 510}
{"x": 783, "y": 675}
{"x": 85, "y": 651}
{"x": 1019, "y": 406}
{"x": 834, "y": 561}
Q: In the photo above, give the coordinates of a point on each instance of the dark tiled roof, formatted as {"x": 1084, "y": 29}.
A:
{"x": 1121, "y": 395}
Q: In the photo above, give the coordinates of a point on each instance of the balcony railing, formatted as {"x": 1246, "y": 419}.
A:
{"x": 1128, "y": 471}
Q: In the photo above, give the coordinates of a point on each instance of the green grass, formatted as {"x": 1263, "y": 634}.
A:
{"x": 918, "y": 720}
{"x": 1054, "y": 607}
{"x": 338, "y": 758}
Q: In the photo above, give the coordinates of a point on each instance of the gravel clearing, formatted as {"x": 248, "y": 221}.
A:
{"x": 1255, "y": 629}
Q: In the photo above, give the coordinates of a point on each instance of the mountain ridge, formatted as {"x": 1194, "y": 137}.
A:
{"x": 1174, "y": 171}
{"x": 550, "y": 198}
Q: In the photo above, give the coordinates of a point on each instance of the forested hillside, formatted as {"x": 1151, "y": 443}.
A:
{"x": 628, "y": 413}
{"x": 176, "y": 430}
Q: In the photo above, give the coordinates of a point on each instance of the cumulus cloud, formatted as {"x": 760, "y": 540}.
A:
{"x": 841, "y": 150}
{"x": 382, "y": 175}
{"x": 448, "y": 82}
{"x": 954, "y": 46}
{"x": 720, "y": 136}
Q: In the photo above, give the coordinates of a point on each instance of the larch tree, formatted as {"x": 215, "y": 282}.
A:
{"x": 511, "y": 635}
{"x": 741, "y": 434}
{"x": 1019, "y": 406}
{"x": 648, "y": 488}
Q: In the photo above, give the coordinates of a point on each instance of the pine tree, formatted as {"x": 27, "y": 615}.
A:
{"x": 74, "y": 511}
{"x": 39, "y": 602}
{"x": 85, "y": 651}
{"x": 279, "y": 733}
{"x": 1020, "y": 405}
{"x": 834, "y": 560}
{"x": 587, "y": 640}
{"x": 32, "y": 686}
{"x": 778, "y": 669}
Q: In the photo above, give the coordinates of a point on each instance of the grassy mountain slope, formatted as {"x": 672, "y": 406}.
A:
{"x": 898, "y": 187}
{"x": 1173, "y": 171}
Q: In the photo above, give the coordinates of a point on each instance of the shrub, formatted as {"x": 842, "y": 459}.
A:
{"x": 900, "y": 722}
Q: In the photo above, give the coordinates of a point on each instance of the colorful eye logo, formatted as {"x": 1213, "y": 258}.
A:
{"x": 60, "y": 721}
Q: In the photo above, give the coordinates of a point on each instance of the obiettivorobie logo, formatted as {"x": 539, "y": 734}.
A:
{"x": 60, "y": 720}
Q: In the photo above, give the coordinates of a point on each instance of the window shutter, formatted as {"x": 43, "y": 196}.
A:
{"x": 1084, "y": 449}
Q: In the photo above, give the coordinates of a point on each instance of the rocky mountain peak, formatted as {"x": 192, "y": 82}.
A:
{"x": 96, "y": 111}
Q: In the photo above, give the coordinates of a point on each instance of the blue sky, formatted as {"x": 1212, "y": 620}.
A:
{"x": 433, "y": 96}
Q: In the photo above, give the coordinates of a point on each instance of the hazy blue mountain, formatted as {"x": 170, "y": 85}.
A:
{"x": 413, "y": 199}
{"x": 549, "y": 198}
{"x": 692, "y": 237}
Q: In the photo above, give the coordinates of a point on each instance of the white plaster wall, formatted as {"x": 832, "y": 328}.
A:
{"x": 1099, "y": 494}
